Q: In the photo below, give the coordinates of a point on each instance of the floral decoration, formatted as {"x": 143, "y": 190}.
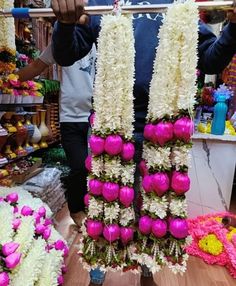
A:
{"x": 163, "y": 229}
{"x": 32, "y": 252}
{"x": 107, "y": 239}
{"x": 212, "y": 241}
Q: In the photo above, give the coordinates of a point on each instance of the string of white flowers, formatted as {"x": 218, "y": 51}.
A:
{"x": 114, "y": 78}
{"x": 31, "y": 267}
{"x": 25, "y": 234}
{"x": 180, "y": 156}
{"x": 178, "y": 207}
{"x": 95, "y": 208}
{"x": 157, "y": 206}
{"x": 51, "y": 269}
{"x": 113, "y": 168}
{"x": 128, "y": 171}
{"x": 6, "y": 218}
{"x": 111, "y": 212}
{"x": 127, "y": 216}
{"x": 157, "y": 156}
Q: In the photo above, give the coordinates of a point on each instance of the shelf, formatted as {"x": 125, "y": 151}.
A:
{"x": 12, "y": 107}
{"x": 50, "y": 144}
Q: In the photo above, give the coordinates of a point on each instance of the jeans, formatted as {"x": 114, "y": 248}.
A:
{"x": 74, "y": 138}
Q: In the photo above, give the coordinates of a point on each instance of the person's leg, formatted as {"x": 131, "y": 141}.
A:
{"x": 97, "y": 277}
{"x": 75, "y": 144}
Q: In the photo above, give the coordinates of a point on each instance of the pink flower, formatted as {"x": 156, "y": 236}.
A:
{"x": 26, "y": 211}
{"x": 60, "y": 280}
{"x": 9, "y": 248}
{"x": 12, "y": 260}
{"x": 16, "y": 223}
{"x": 59, "y": 245}
{"x": 4, "y": 279}
{"x": 12, "y": 198}
{"x": 46, "y": 233}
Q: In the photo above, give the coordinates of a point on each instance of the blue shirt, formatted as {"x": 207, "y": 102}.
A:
{"x": 72, "y": 42}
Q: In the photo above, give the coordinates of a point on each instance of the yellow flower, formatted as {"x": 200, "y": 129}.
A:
{"x": 231, "y": 233}
{"x": 211, "y": 244}
{"x": 13, "y": 76}
{"x": 218, "y": 219}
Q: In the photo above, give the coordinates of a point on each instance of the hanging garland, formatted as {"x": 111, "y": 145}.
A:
{"x": 163, "y": 230}
{"x": 7, "y": 40}
{"x": 32, "y": 252}
{"x": 107, "y": 239}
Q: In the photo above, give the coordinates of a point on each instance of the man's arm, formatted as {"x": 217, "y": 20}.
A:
{"x": 215, "y": 54}
{"x": 71, "y": 42}
{"x": 32, "y": 70}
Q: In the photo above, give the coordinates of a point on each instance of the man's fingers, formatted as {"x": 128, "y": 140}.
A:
{"x": 56, "y": 8}
{"x": 84, "y": 19}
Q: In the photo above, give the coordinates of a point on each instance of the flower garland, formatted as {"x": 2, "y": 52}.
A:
{"x": 212, "y": 241}
{"x": 39, "y": 245}
{"x": 107, "y": 241}
{"x": 163, "y": 227}
{"x": 7, "y": 40}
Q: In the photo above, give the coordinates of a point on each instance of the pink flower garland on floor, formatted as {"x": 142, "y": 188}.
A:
{"x": 209, "y": 226}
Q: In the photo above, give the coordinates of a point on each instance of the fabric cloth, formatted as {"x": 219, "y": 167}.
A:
{"x": 74, "y": 138}
{"x": 76, "y": 86}
{"x": 78, "y": 39}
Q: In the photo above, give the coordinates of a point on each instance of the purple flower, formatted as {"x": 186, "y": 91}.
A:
{"x": 4, "y": 279}
{"x": 9, "y": 248}
{"x": 12, "y": 260}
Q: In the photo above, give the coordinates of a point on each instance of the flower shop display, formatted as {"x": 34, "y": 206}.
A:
{"x": 163, "y": 230}
{"x": 212, "y": 241}
{"x": 13, "y": 91}
{"x": 7, "y": 40}
{"x": 32, "y": 252}
{"x": 108, "y": 234}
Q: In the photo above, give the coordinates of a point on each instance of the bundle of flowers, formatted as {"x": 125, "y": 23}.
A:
{"x": 26, "y": 92}
{"x": 28, "y": 242}
{"x": 212, "y": 241}
{"x": 108, "y": 235}
{"x": 7, "y": 40}
{"x": 163, "y": 230}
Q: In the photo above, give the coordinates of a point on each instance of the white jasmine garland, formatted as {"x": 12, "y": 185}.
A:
{"x": 97, "y": 165}
{"x": 31, "y": 267}
{"x": 179, "y": 268}
{"x": 113, "y": 167}
{"x": 157, "y": 156}
{"x": 127, "y": 174}
{"x": 51, "y": 269}
{"x": 157, "y": 206}
{"x": 178, "y": 207}
{"x": 25, "y": 234}
{"x": 113, "y": 92}
{"x": 6, "y": 218}
{"x": 111, "y": 212}
{"x": 180, "y": 156}
{"x": 95, "y": 208}
{"x": 127, "y": 215}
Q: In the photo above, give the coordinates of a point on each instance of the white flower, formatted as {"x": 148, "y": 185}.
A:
{"x": 25, "y": 234}
{"x": 6, "y": 218}
{"x": 113, "y": 92}
{"x": 178, "y": 207}
{"x": 157, "y": 206}
{"x": 127, "y": 215}
{"x": 181, "y": 156}
{"x": 29, "y": 270}
{"x": 97, "y": 165}
{"x": 95, "y": 208}
{"x": 112, "y": 168}
{"x": 157, "y": 156}
{"x": 127, "y": 174}
{"x": 111, "y": 212}
{"x": 179, "y": 268}
{"x": 51, "y": 268}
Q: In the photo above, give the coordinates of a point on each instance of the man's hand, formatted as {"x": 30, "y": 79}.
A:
{"x": 70, "y": 11}
{"x": 231, "y": 15}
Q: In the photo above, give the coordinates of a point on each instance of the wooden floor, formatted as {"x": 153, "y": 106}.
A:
{"x": 198, "y": 273}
